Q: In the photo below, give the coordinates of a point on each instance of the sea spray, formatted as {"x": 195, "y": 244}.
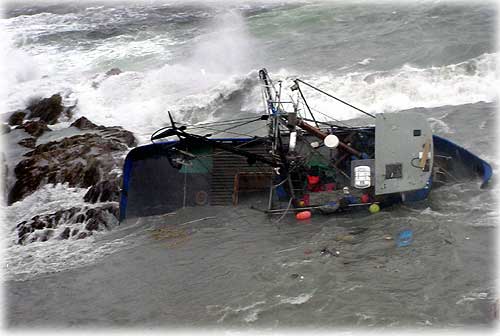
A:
{"x": 204, "y": 69}
{"x": 407, "y": 87}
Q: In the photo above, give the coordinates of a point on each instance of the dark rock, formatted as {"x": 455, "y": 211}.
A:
{"x": 34, "y": 128}
{"x": 84, "y": 124}
{"x": 41, "y": 227}
{"x": 80, "y": 218}
{"x": 4, "y": 129}
{"x": 91, "y": 174}
{"x": 82, "y": 235}
{"x": 38, "y": 223}
{"x": 92, "y": 225}
{"x": 17, "y": 118}
{"x": 51, "y": 110}
{"x": 28, "y": 142}
{"x": 65, "y": 233}
{"x": 105, "y": 191}
{"x": 81, "y": 161}
{"x": 48, "y": 109}
{"x": 100, "y": 78}
{"x": 125, "y": 136}
{"x": 113, "y": 72}
{"x": 22, "y": 230}
{"x": 29, "y": 178}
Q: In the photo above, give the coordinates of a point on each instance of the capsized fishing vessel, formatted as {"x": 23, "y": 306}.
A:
{"x": 299, "y": 164}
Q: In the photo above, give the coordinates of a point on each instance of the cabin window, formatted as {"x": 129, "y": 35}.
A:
{"x": 417, "y": 132}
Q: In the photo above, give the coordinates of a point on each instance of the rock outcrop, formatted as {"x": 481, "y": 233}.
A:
{"x": 17, "y": 117}
{"x": 89, "y": 157}
{"x": 84, "y": 124}
{"x": 48, "y": 109}
{"x": 28, "y": 142}
{"x": 81, "y": 161}
{"x": 100, "y": 78}
{"x": 105, "y": 191}
{"x": 35, "y": 128}
{"x": 78, "y": 223}
{"x": 113, "y": 72}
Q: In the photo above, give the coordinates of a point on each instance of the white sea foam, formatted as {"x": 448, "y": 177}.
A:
{"x": 30, "y": 260}
{"x": 17, "y": 66}
{"x": 363, "y": 317}
{"x": 27, "y": 261}
{"x": 439, "y": 126}
{"x": 429, "y": 211}
{"x": 354, "y": 288}
{"x": 473, "y": 296}
{"x": 298, "y": 300}
{"x": 48, "y": 199}
{"x": 366, "y": 61}
{"x": 251, "y": 312}
{"x": 216, "y": 65}
{"x": 468, "y": 82}
{"x": 182, "y": 88}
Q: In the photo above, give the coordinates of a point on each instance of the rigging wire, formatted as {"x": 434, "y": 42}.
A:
{"x": 326, "y": 115}
{"x": 331, "y": 96}
{"x": 229, "y": 132}
{"x": 325, "y": 123}
{"x": 215, "y": 123}
{"x": 220, "y": 122}
{"x": 238, "y": 146}
{"x": 258, "y": 128}
{"x": 286, "y": 211}
{"x": 297, "y": 86}
{"x": 243, "y": 124}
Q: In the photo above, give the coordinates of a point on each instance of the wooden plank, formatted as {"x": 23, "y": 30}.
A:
{"x": 425, "y": 155}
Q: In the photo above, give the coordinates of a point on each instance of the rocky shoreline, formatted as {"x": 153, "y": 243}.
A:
{"x": 81, "y": 155}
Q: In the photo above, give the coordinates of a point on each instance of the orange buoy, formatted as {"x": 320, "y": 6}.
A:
{"x": 303, "y": 215}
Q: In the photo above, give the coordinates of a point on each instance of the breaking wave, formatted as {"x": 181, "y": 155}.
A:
{"x": 217, "y": 78}
{"x": 471, "y": 81}
{"x": 195, "y": 95}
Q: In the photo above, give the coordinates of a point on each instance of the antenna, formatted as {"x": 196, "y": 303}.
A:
{"x": 172, "y": 123}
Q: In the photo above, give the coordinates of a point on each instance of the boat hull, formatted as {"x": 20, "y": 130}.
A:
{"x": 153, "y": 184}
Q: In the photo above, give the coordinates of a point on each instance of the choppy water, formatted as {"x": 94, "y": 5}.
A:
{"x": 240, "y": 268}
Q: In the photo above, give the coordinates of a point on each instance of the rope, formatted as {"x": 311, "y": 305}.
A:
{"x": 285, "y": 213}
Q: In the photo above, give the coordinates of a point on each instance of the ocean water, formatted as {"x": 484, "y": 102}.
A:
{"x": 237, "y": 267}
